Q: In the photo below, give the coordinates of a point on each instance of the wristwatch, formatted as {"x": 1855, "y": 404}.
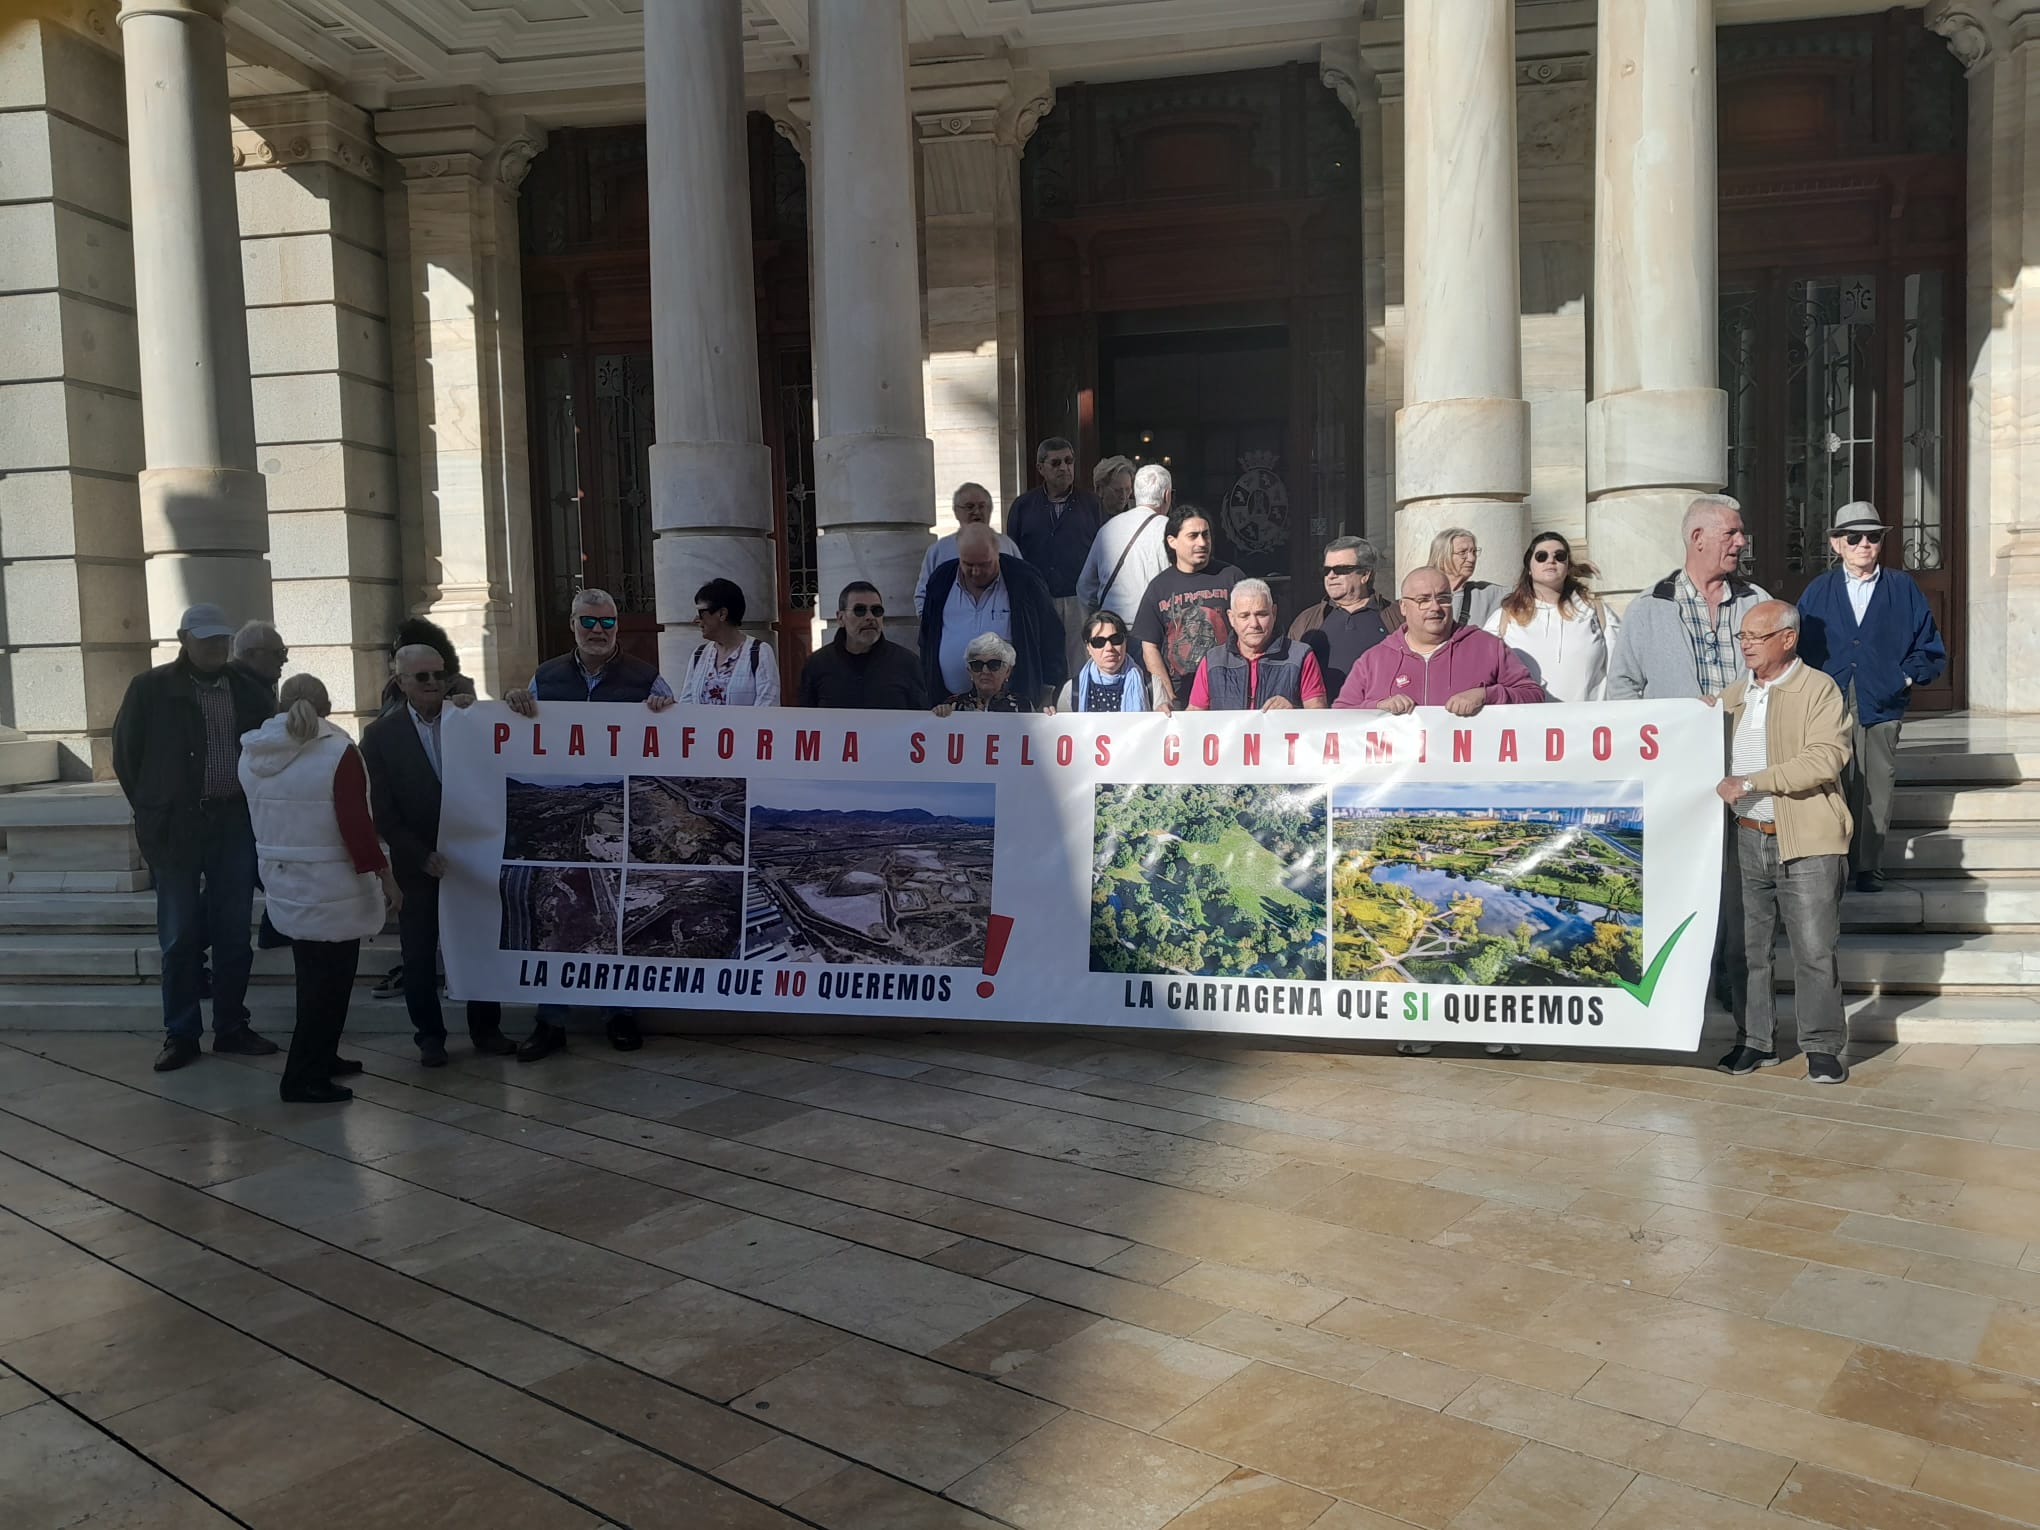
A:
{"x": 1745, "y": 785}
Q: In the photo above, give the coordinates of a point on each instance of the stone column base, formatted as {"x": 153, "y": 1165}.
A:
{"x": 875, "y": 497}
{"x": 205, "y": 533}
{"x": 711, "y": 519}
{"x": 1633, "y": 538}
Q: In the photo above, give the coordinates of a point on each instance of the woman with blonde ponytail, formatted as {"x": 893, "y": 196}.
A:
{"x": 324, "y": 876}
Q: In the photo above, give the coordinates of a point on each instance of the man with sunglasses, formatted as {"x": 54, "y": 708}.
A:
{"x": 1789, "y": 746}
{"x": 861, "y": 666}
{"x": 1870, "y": 630}
{"x": 597, "y": 670}
{"x": 1352, "y": 617}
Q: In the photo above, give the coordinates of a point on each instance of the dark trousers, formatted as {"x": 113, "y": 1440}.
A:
{"x": 1806, "y": 897}
{"x": 1866, "y": 786}
{"x": 555, "y": 1015}
{"x": 418, "y": 938}
{"x": 325, "y": 982}
{"x": 1731, "y": 963}
{"x": 208, "y": 902}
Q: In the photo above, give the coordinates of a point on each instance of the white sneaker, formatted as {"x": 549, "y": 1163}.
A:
{"x": 1413, "y": 1049}
{"x": 1503, "y": 1049}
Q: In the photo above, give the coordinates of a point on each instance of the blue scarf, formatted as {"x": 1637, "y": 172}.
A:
{"x": 1132, "y": 699}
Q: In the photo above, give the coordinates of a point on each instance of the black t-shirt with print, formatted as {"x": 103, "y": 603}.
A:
{"x": 1184, "y": 616}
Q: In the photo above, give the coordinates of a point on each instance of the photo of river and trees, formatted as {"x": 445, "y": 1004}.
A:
{"x": 1210, "y": 881}
{"x": 1533, "y": 885}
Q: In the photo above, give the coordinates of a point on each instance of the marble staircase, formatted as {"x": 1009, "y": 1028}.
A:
{"x": 1949, "y": 950}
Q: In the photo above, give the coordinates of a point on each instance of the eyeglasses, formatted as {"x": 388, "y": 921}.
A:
{"x": 590, "y": 623}
{"x": 980, "y": 666}
{"x": 1108, "y": 640}
{"x": 1429, "y": 600}
{"x": 428, "y": 677}
{"x": 1341, "y": 568}
{"x": 1550, "y": 555}
{"x": 1858, "y": 538}
{"x": 867, "y": 610}
{"x": 1760, "y": 637}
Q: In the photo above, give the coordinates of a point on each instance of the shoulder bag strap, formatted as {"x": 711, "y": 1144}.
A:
{"x": 1124, "y": 553}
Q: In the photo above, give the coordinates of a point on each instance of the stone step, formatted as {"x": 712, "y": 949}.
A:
{"x": 1931, "y": 766}
{"x": 1959, "y": 1019}
{"x": 26, "y": 762}
{"x": 1925, "y": 961}
{"x": 131, "y": 957}
{"x": 139, "y": 1007}
{"x": 1913, "y": 852}
{"x": 1942, "y": 807}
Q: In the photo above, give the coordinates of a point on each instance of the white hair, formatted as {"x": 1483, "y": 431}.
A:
{"x": 1251, "y": 587}
{"x": 254, "y": 635}
{"x": 413, "y": 651}
{"x": 1788, "y": 616}
{"x": 1151, "y": 486}
{"x": 592, "y": 597}
{"x": 1708, "y": 507}
{"x": 989, "y": 645}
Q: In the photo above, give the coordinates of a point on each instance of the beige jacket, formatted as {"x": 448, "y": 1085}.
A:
{"x": 1806, "y": 739}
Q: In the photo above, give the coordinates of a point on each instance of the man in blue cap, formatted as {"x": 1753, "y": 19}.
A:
{"x": 177, "y": 752}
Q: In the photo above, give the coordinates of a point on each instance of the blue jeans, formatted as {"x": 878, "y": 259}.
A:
{"x": 208, "y": 902}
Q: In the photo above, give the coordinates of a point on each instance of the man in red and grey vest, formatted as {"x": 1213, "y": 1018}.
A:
{"x": 597, "y": 670}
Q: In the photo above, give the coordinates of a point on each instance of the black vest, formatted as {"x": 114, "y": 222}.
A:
{"x": 1278, "y": 671}
{"x": 623, "y": 679}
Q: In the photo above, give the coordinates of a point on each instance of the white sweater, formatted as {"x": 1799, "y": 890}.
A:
{"x": 1567, "y": 655}
{"x": 753, "y": 682}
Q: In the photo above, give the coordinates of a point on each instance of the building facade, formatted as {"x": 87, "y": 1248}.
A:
{"x": 339, "y": 311}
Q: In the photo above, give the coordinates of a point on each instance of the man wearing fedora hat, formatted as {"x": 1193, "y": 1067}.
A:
{"x": 1869, "y": 628}
{"x": 177, "y": 751}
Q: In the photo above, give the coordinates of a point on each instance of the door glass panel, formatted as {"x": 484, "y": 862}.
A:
{"x": 1831, "y": 411}
{"x": 1922, "y": 444}
{"x": 623, "y": 475}
{"x": 796, "y": 419}
{"x": 560, "y": 450}
{"x": 1741, "y": 380}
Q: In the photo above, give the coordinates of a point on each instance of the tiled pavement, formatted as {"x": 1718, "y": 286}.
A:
{"x": 1059, "y": 1281}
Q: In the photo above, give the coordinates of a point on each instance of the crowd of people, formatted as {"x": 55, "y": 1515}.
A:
{"x": 1108, "y": 600}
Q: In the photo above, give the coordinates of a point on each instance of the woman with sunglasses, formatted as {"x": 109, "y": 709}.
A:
{"x": 1558, "y": 626}
{"x": 990, "y": 661}
{"x": 728, "y": 669}
{"x": 1108, "y": 682}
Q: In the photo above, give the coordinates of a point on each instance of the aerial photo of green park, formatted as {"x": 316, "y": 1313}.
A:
{"x": 1210, "y": 881}
{"x": 1531, "y": 885}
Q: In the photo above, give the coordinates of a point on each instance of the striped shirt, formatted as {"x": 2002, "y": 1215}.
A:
{"x": 222, "y": 739}
{"x": 1750, "y": 752}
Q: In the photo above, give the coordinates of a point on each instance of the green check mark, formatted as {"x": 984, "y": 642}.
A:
{"x": 1643, "y": 990}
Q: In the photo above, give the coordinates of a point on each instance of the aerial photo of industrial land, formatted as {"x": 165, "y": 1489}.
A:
{"x": 1536, "y": 884}
{"x": 1214, "y": 881}
{"x": 559, "y": 908}
{"x": 558, "y": 820}
{"x": 687, "y": 820}
{"x": 695, "y": 915}
{"x": 873, "y": 872}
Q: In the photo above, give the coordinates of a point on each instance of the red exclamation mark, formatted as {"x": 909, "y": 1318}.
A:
{"x": 997, "y": 932}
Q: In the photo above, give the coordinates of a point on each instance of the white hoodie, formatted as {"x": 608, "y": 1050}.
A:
{"x": 309, "y": 882}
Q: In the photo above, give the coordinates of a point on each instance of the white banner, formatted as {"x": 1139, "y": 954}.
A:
{"x": 1537, "y": 874}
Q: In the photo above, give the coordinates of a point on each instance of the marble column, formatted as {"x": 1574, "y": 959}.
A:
{"x": 204, "y": 511}
{"x": 1657, "y": 428}
{"x": 1999, "y": 45}
{"x": 1463, "y": 434}
{"x": 74, "y": 623}
{"x": 464, "y": 457}
{"x": 711, "y": 472}
{"x": 874, "y": 464}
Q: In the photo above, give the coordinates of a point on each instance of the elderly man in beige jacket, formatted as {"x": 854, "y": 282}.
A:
{"x": 1790, "y": 744}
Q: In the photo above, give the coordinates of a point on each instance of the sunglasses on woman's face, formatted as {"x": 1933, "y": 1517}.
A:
{"x": 980, "y": 666}
{"x": 1108, "y": 640}
{"x": 1858, "y": 538}
{"x": 1550, "y": 555}
{"x": 590, "y": 623}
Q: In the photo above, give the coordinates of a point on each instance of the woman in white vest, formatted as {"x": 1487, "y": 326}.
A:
{"x": 324, "y": 876}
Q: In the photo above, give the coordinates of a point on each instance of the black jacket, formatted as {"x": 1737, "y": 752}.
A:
{"x": 403, "y": 794}
{"x": 886, "y": 678}
{"x": 159, "y": 754}
{"x": 1037, "y": 631}
{"x": 623, "y": 678}
{"x": 1054, "y": 548}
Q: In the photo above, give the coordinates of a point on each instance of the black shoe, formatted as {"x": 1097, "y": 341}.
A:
{"x": 432, "y": 1054}
{"x": 175, "y": 1054}
{"x": 1742, "y": 1059}
{"x": 495, "y": 1044}
{"x": 327, "y": 1093}
{"x": 343, "y": 1067}
{"x": 624, "y": 1035}
{"x": 1868, "y": 881}
{"x": 543, "y": 1041}
{"x": 244, "y": 1042}
{"x": 1825, "y": 1068}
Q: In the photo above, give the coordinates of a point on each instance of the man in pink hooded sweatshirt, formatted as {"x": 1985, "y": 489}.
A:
{"x": 1433, "y": 661}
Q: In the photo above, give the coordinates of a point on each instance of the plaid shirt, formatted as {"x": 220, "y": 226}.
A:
{"x": 1717, "y": 658}
{"x": 222, "y": 742}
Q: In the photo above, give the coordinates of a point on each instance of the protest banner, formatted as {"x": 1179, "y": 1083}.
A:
{"x": 1545, "y": 874}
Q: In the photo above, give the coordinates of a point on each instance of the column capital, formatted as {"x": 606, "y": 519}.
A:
{"x": 461, "y": 140}
{"x": 179, "y": 10}
{"x": 1980, "y": 32}
{"x": 306, "y": 128}
{"x": 790, "y": 124}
